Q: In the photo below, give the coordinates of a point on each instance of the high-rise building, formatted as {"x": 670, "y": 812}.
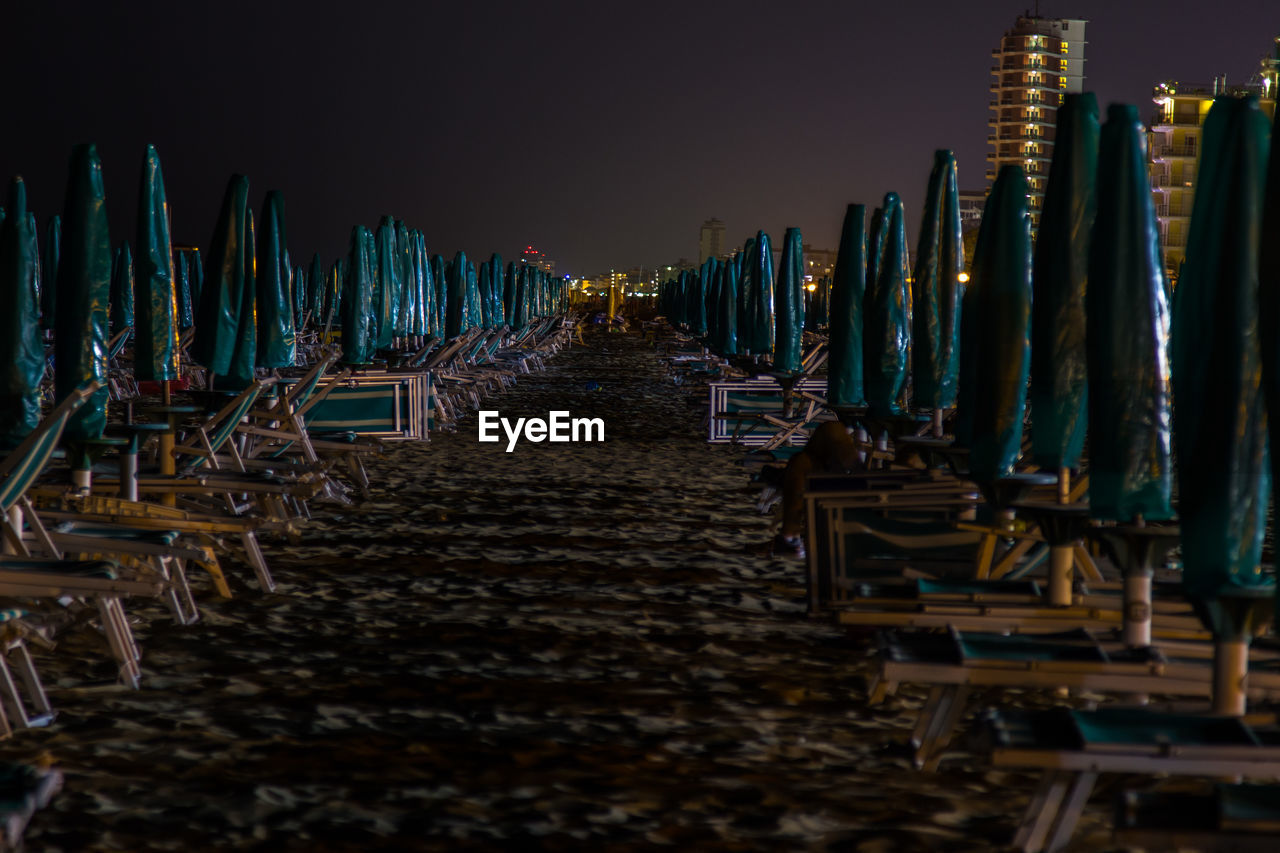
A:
{"x": 1037, "y": 62}
{"x": 1175, "y": 146}
{"x": 711, "y": 240}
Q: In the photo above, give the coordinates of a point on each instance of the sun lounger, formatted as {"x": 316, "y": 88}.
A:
{"x": 1225, "y": 819}
{"x": 1074, "y": 747}
{"x": 954, "y": 663}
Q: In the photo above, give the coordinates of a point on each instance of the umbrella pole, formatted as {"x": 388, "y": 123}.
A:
{"x": 1230, "y": 669}
{"x": 1062, "y": 556}
{"x": 166, "y": 441}
{"x": 937, "y": 422}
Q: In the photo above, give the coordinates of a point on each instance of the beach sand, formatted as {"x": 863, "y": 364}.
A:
{"x": 565, "y": 647}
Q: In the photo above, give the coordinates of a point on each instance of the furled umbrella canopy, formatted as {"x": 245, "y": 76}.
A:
{"x": 245, "y": 353}
{"x": 84, "y": 286}
{"x": 218, "y": 312}
{"x": 197, "y": 276}
{"x": 185, "y": 306}
{"x": 21, "y": 353}
{"x": 431, "y": 325}
{"x": 1060, "y": 275}
{"x": 315, "y": 290}
{"x": 727, "y": 324}
{"x": 121, "y": 308}
{"x": 155, "y": 307}
{"x": 485, "y": 287}
{"x": 33, "y": 246}
{"x": 844, "y": 347}
{"x": 49, "y": 271}
{"x": 1220, "y": 413}
{"x": 1269, "y": 299}
{"x": 298, "y": 293}
{"x": 1127, "y": 328}
{"x": 455, "y": 296}
{"x": 356, "y": 306}
{"x": 509, "y": 287}
{"x": 226, "y": 320}
{"x": 874, "y": 250}
{"x": 415, "y": 286}
{"x": 887, "y": 321}
{"x": 695, "y": 305}
{"x": 386, "y": 294}
{"x": 937, "y": 291}
{"x": 995, "y": 349}
{"x": 408, "y": 282}
{"x": 789, "y": 301}
{"x": 715, "y": 279}
{"x": 521, "y": 300}
{"x": 759, "y": 330}
{"x": 441, "y": 301}
{"x": 335, "y": 282}
{"x": 404, "y": 280}
{"x": 471, "y": 312}
{"x": 276, "y": 339}
{"x": 746, "y": 299}
{"x": 498, "y": 290}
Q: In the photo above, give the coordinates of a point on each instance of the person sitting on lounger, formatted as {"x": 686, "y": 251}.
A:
{"x": 831, "y": 450}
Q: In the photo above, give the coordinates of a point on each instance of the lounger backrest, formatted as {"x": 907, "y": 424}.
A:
{"x": 313, "y": 399}
{"x": 20, "y": 468}
{"x": 301, "y": 391}
{"x": 220, "y": 426}
{"x": 115, "y": 346}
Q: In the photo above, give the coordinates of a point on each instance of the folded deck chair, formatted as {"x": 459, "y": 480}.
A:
{"x": 954, "y": 663}
{"x": 1238, "y": 818}
{"x": 1073, "y": 747}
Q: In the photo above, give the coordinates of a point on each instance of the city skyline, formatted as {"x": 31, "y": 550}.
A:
{"x": 603, "y": 136}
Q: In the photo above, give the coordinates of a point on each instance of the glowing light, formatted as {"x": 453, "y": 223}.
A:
{"x": 963, "y": 278}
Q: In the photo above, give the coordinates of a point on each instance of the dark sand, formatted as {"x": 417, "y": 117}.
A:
{"x": 568, "y": 647}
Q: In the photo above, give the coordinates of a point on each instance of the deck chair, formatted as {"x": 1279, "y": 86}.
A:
{"x": 749, "y": 412}
{"x": 861, "y": 525}
{"x": 1073, "y": 748}
{"x": 210, "y": 464}
{"x": 1237, "y": 818}
{"x": 954, "y": 663}
{"x": 274, "y": 429}
{"x": 23, "y": 577}
{"x": 278, "y": 432}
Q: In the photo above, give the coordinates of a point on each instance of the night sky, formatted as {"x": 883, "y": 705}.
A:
{"x": 602, "y": 133}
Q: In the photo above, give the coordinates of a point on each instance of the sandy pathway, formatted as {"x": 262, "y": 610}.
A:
{"x": 567, "y": 647}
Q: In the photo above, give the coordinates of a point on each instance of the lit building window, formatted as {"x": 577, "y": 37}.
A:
{"x": 1064, "y": 47}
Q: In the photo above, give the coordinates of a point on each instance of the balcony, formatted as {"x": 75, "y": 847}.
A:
{"x": 1034, "y": 88}
{"x": 1020, "y": 50}
{"x": 1166, "y": 152}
